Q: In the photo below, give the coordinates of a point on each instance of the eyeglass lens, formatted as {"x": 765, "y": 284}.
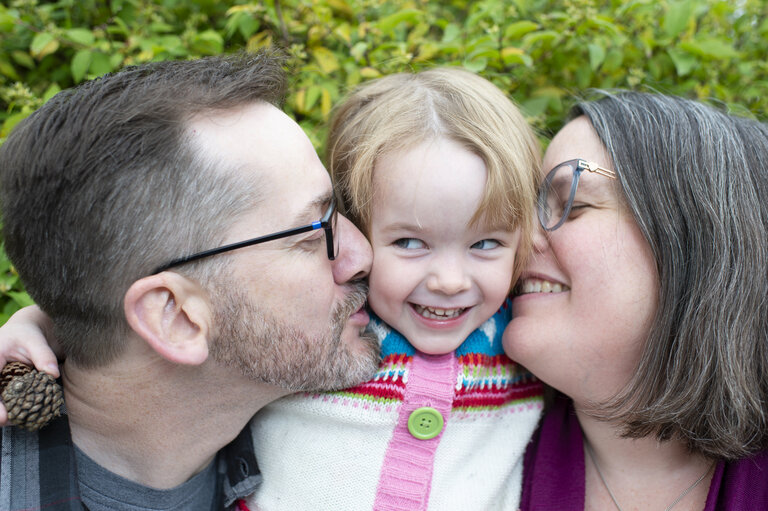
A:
{"x": 556, "y": 195}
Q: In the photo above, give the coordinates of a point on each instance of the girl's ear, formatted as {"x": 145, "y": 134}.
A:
{"x": 172, "y": 314}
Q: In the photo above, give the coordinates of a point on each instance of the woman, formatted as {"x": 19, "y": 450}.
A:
{"x": 644, "y": 305}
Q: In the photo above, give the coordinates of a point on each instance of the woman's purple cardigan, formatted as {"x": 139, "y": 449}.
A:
{"x": 553, "y": 470}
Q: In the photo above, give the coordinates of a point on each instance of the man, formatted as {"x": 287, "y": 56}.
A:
{"x": 106, "y": 191}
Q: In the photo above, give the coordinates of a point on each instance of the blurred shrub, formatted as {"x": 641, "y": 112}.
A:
{"x": 541, "y": 52}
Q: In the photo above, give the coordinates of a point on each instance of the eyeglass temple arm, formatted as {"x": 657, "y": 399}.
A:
{"x": 594, "y": 168}
{"x": 233, "y": 246}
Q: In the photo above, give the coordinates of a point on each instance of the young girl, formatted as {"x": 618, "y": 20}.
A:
{"x": 439, "y": 170}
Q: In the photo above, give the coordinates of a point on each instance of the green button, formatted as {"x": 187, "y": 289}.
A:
{"x": 425, "y": 423}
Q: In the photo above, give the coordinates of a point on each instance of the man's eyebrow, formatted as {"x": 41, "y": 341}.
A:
{"x": 319, "y": 203}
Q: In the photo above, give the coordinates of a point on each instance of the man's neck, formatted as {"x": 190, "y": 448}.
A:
{"x": 156, "y": 423}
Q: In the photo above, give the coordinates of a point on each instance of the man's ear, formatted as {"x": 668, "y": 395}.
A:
{"x": 172, "y": 314}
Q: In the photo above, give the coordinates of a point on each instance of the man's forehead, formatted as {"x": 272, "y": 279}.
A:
{"x": 269, "y": 151}
{"x": 244, "y": 131}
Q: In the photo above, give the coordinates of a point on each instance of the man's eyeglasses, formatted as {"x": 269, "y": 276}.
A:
{"x": 558, "y": 190}
{"x": 327, "y": 223}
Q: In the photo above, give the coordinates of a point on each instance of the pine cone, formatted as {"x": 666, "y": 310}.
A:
{"x": 32, "y": 398}
{"x": 11, "y": 371}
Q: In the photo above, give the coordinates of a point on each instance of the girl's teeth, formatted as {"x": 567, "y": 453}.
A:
{"x": 436, "y": 313}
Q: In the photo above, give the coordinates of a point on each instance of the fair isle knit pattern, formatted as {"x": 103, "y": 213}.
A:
{"x": 328, "y": 450}
{"x": 488, "y": 381}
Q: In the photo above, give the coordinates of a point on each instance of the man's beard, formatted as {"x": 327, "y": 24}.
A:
{"x": 268, "y": 350}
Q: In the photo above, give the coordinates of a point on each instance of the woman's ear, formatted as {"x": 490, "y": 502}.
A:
{"x": 172, "y": 314}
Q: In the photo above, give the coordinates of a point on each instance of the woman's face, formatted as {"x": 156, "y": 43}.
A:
{"x": 589, "y": 291}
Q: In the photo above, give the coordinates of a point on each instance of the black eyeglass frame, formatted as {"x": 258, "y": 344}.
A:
{"x": 578, "y": 165}
{"x": 326, "y": 223}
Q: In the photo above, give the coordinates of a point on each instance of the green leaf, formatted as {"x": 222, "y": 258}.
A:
{"x": 6, "y": 22}
{"x": 677, "y": 17}
{"x": 51, "y": 91}
{"x": 684, "y": 61}
{"x": 451, "y": 32}
{"x": 116, "y": 60}
{"x": 427, "y": 51}
{"x": 606, "y": 26}
{"x": 7, "y": 69}
{"x": 100, "y": 64}
{"x": 370, "y": 72}
{"x": 596, "y": 55}
{"x": 170, "y": 43}
{"x": 358, "y": 50}
{"x": 519, "y": 29}
{"x": 613, "y": 60}
{"x": 535, "y": 106}
{"x": 544, "y": 37}
{"x": 81, "y": 62}
{"x": 326, "y": 59}
{"x": 711, "y": 48}
{"x": 389, "y": 23}
{"x": 159, "y": 27}
{"x": 313, "y": 94}
{"x": 22, "y": 58}
{"x": 21, "y": 297}
{"x": 476, "y": 65}
{"x": 11, "y": 121}
{"x": 515, "y": 56}
{"x": 43, "y": 44}
{"x": 209, "y": 42}
{"x": 248, "y": 25}
{"x": 80, "y": 36}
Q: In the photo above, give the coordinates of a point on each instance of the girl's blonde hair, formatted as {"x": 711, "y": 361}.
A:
{"x": 400, "y": 111}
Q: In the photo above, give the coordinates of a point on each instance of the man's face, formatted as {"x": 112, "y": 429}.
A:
{"x": 285, "y": 314}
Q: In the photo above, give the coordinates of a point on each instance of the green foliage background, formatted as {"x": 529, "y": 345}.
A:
{"x": 541, "y": 52}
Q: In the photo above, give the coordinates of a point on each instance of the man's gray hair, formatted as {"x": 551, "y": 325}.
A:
{"x": 101, "y": 185}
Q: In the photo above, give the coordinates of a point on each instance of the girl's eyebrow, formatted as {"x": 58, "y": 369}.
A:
{"x": 402, "y": 226}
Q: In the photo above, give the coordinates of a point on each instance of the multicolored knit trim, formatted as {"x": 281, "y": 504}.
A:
{"x": 487, "y": 379}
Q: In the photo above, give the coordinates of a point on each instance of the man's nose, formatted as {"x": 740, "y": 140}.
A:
{"x": 353, "y": 261}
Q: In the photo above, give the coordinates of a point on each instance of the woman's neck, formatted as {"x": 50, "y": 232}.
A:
{"x": 643, "y": 473}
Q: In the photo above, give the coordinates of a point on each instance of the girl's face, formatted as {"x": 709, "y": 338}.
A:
{"x": 434, "y": 277}
{"x": 588, "y": 294}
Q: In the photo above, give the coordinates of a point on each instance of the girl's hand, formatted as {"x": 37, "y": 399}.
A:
{"x": 25, "y": 337}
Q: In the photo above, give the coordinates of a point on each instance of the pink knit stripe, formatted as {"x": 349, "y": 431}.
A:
{"x": 406, "y": 475}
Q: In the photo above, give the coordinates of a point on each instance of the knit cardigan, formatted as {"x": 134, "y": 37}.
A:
{"x": 353, "y": 449}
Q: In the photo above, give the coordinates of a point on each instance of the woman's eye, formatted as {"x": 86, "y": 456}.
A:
{"x": 409, "y": 243}
{"x": 577, "y": 209}
{"x": 486, "y": 244}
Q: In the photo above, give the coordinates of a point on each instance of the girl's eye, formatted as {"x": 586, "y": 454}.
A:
{"x": 486, "y": 244}
{"x": 409, "y": 243}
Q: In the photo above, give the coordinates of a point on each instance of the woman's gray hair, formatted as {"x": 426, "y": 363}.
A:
{"x": 696, "y": 179}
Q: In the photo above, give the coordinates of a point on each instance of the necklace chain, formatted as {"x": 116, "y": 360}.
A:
{"x": 613, "y": 497}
